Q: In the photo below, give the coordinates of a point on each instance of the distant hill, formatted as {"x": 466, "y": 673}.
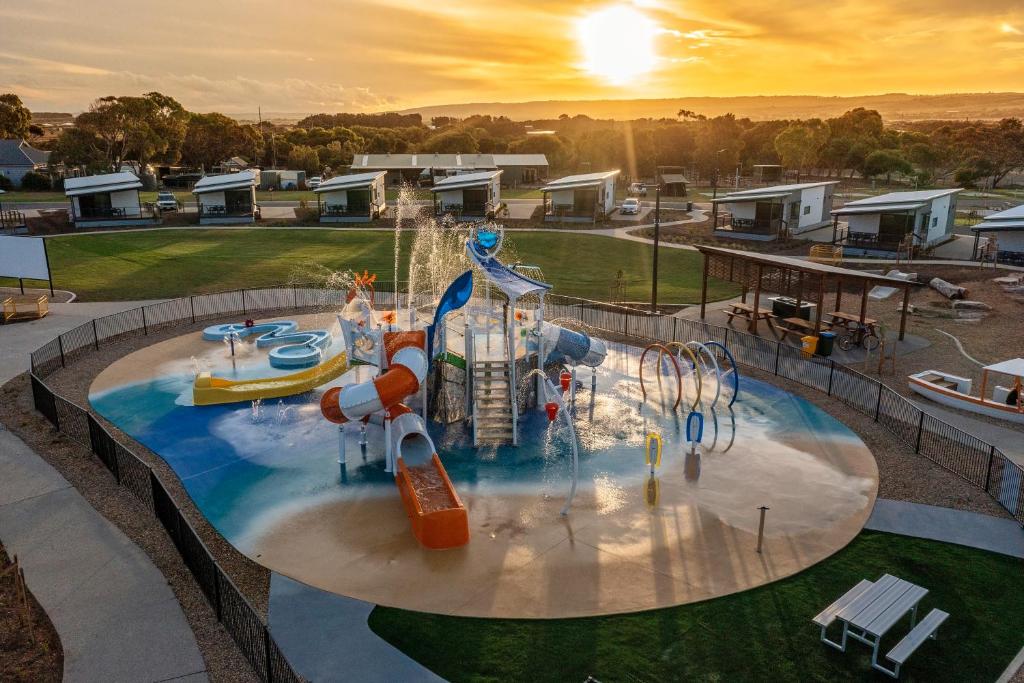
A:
{"x": 893, "y": 107}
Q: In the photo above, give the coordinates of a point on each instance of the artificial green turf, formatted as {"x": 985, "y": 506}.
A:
{"x": 167, "y": 263}
{"x": 764, "y": 634}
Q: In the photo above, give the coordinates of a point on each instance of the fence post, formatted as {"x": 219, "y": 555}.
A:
{"x": 192, "y": 305}
{"x": 831, "y": 372}
{"x": 778, "y": 351}
{"x": 878, "y": 402}
{"x": 266, "y": 654}
{"x": 675, "y": 325}
{"x": 725, "y": 342}
{"x": 218, "y": 607}
{"x": 988, "y": 470}
{"x": 95, "y": 337}
{"x": 243, "y": 301}
{"x": 60, "y": 346}
{"x": 920, "y": 428}
{"x": 145, "y": 327}
{"x": 295, "y": 296}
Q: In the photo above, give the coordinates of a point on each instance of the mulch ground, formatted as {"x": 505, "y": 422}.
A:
{"x": 30, "y": 649}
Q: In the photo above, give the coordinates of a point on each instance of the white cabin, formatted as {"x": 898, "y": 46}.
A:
{"x": 354, "y": 198}
{"x": 470, "y": 195}
{"x": 227, "y": 199}
{"x": 917, "y": 219}
{"x": 768, "y": 213}
{"x": 580, "y": 198}
{"x": 1006, "y": 230}
{"x": 108, "y": 200}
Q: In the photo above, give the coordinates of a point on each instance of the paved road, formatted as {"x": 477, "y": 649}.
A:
{"x": 117, "y": 618}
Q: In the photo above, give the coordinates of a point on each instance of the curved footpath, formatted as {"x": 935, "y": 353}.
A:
{"x": 117, "y": 618}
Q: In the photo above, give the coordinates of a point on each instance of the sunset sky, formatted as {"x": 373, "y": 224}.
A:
{"x": 368, "y": 55}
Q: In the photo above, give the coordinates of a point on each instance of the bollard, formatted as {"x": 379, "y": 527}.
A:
{"x": 342, "y": 464}
{"x": 760, "y": 528}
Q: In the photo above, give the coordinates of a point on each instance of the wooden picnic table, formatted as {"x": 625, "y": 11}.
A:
{"x": 847, "y": 320}
{"x": 797, "y": 326}
{"x": 746, "y": 311}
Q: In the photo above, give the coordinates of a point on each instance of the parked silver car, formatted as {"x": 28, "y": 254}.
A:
{"x": 166, "y": 201}
{"x": 630, "y": 206}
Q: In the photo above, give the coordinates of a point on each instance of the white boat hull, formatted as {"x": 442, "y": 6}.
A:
{"x": 956, "y": 399}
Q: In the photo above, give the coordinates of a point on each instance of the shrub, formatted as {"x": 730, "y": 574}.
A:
{"x": 5, "y": 183}
{"x": 35, "y": 181}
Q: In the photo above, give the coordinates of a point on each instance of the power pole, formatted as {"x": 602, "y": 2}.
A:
{"x": 657, "y": 234}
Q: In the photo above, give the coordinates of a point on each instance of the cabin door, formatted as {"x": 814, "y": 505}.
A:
{"x": 584, "y": 202}
{"x": 359, "y": 201}
{"x": 474, "y": 200}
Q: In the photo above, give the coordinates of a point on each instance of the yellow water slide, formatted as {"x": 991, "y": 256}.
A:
{"x": 209, "y": 390}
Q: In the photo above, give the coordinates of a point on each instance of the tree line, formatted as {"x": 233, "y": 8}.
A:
{"x": 155, "y": 128}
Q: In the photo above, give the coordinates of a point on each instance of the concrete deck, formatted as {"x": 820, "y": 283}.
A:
{"x": 997, "y": 534}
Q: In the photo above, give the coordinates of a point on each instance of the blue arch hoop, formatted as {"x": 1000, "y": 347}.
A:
{"x": 735, "y": 369}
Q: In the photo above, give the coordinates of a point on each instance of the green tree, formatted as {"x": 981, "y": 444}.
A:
{"x": 80, "y": 147}
{"x": 15, "y": 118}
{"x": 143, "y": 128}
{"x": 213, "y": 138}
{"x": 304, "y": 158}
{"x": 451, "y": 142}
{"x": 886, "y": 162}
{"x": 799, "y": 143}
{"x": 557, "y": 149}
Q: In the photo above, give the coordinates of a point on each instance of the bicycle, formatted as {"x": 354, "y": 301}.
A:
{"x": 860, "y": 335}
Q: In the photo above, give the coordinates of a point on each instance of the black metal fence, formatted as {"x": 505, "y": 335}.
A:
{"x": 967, "y": 456}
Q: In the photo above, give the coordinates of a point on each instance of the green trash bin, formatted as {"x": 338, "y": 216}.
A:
{"x": 826, "y": 342}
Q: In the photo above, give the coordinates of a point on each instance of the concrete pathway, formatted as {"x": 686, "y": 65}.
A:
{"x": 996, "y": 534}
{"x": 18, "y": 340}
{"x": 117, "y": 618}
{"x": 326, "y": 637}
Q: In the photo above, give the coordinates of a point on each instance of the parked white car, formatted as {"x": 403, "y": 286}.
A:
{"x": 314, "y": 182}
{"x": 638, "y": 189}
{"x": 630, "y": 206}
{"x": 166, "y": 201}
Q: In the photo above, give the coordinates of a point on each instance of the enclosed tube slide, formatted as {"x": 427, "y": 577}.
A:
{"x": 578, "y": 348}
{"x": 407, "y": 370}
{"x": 436, "y": 513}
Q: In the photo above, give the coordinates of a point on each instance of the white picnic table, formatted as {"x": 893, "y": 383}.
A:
{"x": 869, "y": 610}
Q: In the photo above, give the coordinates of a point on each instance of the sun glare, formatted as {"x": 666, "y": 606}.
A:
{"x": 617, "y": 43}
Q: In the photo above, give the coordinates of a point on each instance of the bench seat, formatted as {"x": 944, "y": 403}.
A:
{"x": 920, "y": 633}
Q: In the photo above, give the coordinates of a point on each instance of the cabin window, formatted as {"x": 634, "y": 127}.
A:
{"x": 807, "y": 210}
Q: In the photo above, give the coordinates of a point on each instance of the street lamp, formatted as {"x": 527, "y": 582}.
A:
{"x": 714, "y": 177}
{"x": 657, "y": 229}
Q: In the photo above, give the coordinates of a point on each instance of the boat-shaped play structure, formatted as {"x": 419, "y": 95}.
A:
{"x": 1004, "y": 402}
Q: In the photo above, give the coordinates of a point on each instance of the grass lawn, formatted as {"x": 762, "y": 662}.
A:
{"x": 759, "y": 635}
{"x": 168, "y": 263}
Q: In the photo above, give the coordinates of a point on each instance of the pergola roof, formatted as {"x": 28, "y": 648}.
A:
{"x": 768, "y": 272}
{"x": 464, "y": 181}
{"x": 574, "y": 182}
{"x": 349, "y": 182}
{"x": 1014, "y": 366}
{"x": 802, "y": 265}
{"x": 894, "y": 207}
{"x": 97, "y": 184}
{"x": 228, "y": 181}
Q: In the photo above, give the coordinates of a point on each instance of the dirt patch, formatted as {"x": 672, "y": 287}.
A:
{"x": 29, "y": 645}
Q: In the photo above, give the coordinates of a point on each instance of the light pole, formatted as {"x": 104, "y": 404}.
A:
{"x": 657, "y": 233}
{"x": 714, "y": 177}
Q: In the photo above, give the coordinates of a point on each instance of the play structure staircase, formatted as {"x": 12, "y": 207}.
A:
{"x": 492, "y": 402}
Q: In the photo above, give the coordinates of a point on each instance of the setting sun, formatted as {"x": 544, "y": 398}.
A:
{"x": 617, "y": 43}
